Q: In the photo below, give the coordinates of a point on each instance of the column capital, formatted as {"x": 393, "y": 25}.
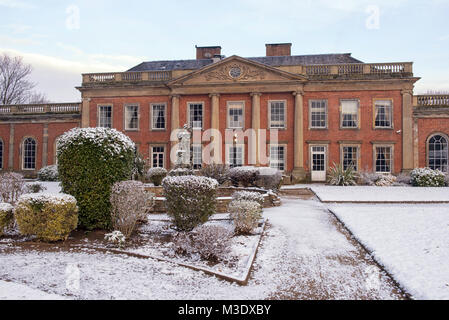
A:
{"x": 252, "y": 94}
{"x": 298, "y": 92}
{"x": 175, "y": 96}
{"x": 407, "y": 91}
{"x": 214, "y": 94}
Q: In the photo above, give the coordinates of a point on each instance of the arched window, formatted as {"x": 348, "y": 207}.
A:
{"x": 1, "y": 154}
{"x": 438, "y": 152}
{"x": 29, "y": 154}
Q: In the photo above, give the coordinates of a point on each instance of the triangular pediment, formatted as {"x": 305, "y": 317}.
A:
{"x": 235, "y": 69}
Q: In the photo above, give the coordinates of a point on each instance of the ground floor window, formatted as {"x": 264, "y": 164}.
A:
{"x": 105, "y": 116}
{"x": 438, "y": 153}
{"x": 350, "y": 157}
{"x": 157, "y": 156}
{"x": 29, "y": 154}
{"x": 235, "y": 156}
{"x": 383, "y": 159}
{"x": 197, "y": 156}
{"x": 277, "y": 157}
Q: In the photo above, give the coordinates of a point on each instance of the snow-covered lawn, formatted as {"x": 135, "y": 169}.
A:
{"x": 17, "y": 291}
{"x": 380, "y": 194}
{"x": 411, "y": 241}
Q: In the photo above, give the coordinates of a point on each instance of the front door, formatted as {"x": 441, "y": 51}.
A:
{"x": 318, "y": 155}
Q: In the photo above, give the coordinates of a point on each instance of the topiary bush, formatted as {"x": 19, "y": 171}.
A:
{"x": 90, "y": 161}
{"x": 219, "y": 172}
{"x": 35, "y": 187}
{"x": 129, "y": 202}
{"x": 342, "y": 177}
{"x": 50, "y": 217}
{"x": 246, "y": 215}
{"x": 48, "y": 173}
{"x": 249, "y": 195}
{"x": 246, "y": 176}
{"x": 190, "y": 200}
{"x": 208, "y": 241}
{"x": 6, "y": 216}
{"x": 426, "y": 177}
{"x": 155, "y": 175}
{"x": 269, "y": 178}
{"x": 12, "y": 186}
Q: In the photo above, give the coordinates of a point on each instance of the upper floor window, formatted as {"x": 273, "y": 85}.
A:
{"x": 158, "y": 116}
{"x": 383, "y": 159}
{"x": 29, "y": 154}
{"x": 438, "y": 153}
{"x": 132, "y": 117}
{"x": 349, "y": 113}
{"x": 318, "y": 114}
{"x": 350, "y": 157}
{"x": 277, "y": 114}
{"x": 277, "y": 157}
{"x": 1, "y": 154}
{"x": 235, "y": 115}
{"x": 196, "y": 115}
{"x": 105, "y": 116}
{"x": 383, "y": 114}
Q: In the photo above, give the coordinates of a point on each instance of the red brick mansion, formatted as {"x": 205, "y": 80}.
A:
{"x": 328, "y": 108}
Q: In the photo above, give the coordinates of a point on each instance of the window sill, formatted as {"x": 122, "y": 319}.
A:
{"x": 383, "y": 128}
{"x": 313, "y": 128}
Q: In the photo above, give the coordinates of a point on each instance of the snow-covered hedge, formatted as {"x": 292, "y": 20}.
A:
{"x": 208, "y": 241}
{"x": 190, "y": 200}
{"x": 48, "y": 173}
{"x": 269, "y": 178}
{"x": 246, "y": 176}
{"x": 246, "y": 215}
{"x": 116, "y": 237}
{"x": 426, "y": 177}
{"x": 248, "y": 195}
{"x": 176, "y": 172}
{"x": 219, "y": 172}
{"x": 6, "y": 216}
{"x": 377, "y": 179}
{"x": 35, "y": 187}
{"x": 48, "y": 216}
{"x": 155, "y": 175}
{"x": 12, "y": 186}
{"x": 90, "y": 161}
{"x": 129, "y": 202}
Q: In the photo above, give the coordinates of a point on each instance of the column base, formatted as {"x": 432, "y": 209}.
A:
{"x": 298, "y": 175}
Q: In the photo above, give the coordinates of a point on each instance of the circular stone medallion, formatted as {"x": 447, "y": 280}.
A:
{"x": 235, "y": 72}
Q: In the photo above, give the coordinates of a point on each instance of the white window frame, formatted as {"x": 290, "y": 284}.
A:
{"x": 277, "y": 161}
{"x": 281, "y": 124}
{"x": 125, "y": 112}
{"x": 234, "y": 105}
{"x": 99, "y": 119}
{"x": 444, "y": 136}
{"x": 375, "y": 146}
{"x": 378, "y": 102}
{"x": 228, "y": 154}
{"x": 152, "y": 123}
{"x": 22, "y": 147}
{"x": 342, "y": 154}
{"x": 195, "y": 153}
{"x": 326, "y": 115}
{"x": 190, "y": 104}
{"x": 357, "y": 126}
{"x": 158, "y": 152}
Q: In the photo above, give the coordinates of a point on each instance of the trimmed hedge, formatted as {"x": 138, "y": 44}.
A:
{"x": 50, "y": 217}
{"x": 90, "y": 161}
{"x": 48, "y": 173}
{"x": 190, "y": 200}
{"x": 6, "y": 216}
{"x": 246, "y": 215}
{"x": 426, "y": 177}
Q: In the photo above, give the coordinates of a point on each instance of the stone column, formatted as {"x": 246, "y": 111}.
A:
{"x": 298, "y": 169}
{"x": 45, "y": 146}
{"x": 85, "y": 113}
{"x": 407, "y": 130}
{"x": 11, "y": 147}
{"x": 215, "y": 124}
{"x": 255, "y": 124}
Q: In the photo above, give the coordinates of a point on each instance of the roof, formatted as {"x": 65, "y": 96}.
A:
{"x": 333, "y": 58}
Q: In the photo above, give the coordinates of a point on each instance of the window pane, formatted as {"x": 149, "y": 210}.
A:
{"x": 350, "y": 157}
{"x": 383, "y": 114}
{"x": 29, "y": 154}
{"x": 197, "y": 156}
{"x": 318, "y": 114}
{"x": 236, "y": 156}
{"x": 158, "y": 116}
{"x": 438, "y": 153}
{"x": 277, "y": 157}
{"x": 349, "y": 114}
{"x": 196, "y": 115}
{"x": 277, "y": 114}
{"x": 235, "y": 115}
{"x": 105, "y": 117}
{"x": 383, "y": 159}
{"x": 132, "y": 117}
{"x": 158, "y": 157}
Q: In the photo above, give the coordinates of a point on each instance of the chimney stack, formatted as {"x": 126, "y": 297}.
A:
{"x": 278, "y": 49}
{"x": 207, "y": 52}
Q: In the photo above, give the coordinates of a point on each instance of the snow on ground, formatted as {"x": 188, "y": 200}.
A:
{"x": 380, "y": 194}
{"x": 411, "y": 241}
{"x": 303, "y": 255}
{"x": 17, "y": 291}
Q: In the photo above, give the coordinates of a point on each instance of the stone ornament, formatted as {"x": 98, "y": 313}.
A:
{"x": 235, "y": 71}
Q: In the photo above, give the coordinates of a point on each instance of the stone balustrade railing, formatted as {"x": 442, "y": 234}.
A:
{"x": 431, "y": 100}
{"x": 41, "y": 108}
{"x": 112, "y": 77}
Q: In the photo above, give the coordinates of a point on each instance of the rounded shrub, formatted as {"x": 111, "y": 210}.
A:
{"x": 246, "y": 215}
{"x": 249, "y": 195}
{"x": 6, "y": 216}
{"x": 190, "y": 200}
{"x": 49, "y": 217}
{"x": 176, "y": 172}
{"x": 426, "y": 177}
{"x": 246, "y": 176}
{"x": 90, "y": 161}
{"x": 155, "y": 175}
{"x": 48, "y": 173}
{"x": 219, "y": 172}
{"x": 269, "y": 178}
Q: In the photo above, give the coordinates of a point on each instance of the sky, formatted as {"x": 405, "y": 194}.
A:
{"x": 63, "y": 39}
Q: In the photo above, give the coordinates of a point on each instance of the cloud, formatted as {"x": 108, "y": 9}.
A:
{"x": 16, "y": 4}
{"x": 9, "y": 41}
{"x": 17, "y": 28}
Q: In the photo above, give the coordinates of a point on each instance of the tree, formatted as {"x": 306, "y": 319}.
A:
{"x": 15, "y": 86}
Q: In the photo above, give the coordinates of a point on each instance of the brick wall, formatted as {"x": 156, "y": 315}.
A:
{"x": 426, "y": 128}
